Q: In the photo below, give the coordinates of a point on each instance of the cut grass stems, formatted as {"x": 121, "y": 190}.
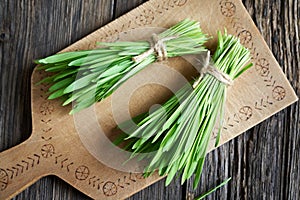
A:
{"x": 178, "y": 132}
{"x": 86, "y": 77}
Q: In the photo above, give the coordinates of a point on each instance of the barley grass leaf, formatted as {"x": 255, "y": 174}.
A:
{"x": 108, "y": 67}
{"x": 180, "y": 130}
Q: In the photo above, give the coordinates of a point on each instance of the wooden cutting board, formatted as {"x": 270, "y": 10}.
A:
{"x": 62, "y": 145}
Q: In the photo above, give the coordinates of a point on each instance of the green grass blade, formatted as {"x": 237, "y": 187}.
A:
{"x": 202, "y": 196}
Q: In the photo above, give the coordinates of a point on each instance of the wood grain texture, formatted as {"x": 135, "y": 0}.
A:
{"x": 263, "y": 162}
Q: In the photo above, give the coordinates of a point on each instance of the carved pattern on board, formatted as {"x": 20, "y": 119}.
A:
{"x": 262, "y": 67}
{"x": 107, "y": 187}
{"x": 46, "y": 108}
{"x": 263, "y": 103}
{"x": 95, "y": 182}
{"x": 245, "y": 38}
{"x": 63, "y": 162}
{"x": 245, "y": 113}
{"x": 164, "y": 6}
{"x": 270, "y": 82}
{"x": 110, "y": 188}
{"x": 177, "y": 2}
{"x": 228, "y": 8}
{"x": 22, "y": 166}
{"x": 279, "y": 93}
{"x": 3, "y": 179}
{"x": 82, "y": 172}
{"x": 145, "y": 18}
{"x": 129, "y": 179}
{"x": 47, "y": 150}
{"x": 46, "y": 139}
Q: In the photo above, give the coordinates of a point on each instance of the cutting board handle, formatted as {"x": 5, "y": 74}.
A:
{"x": 20, "y": 167}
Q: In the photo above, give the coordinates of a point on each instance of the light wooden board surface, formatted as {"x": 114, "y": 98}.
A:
{"x": 261, "y": 104}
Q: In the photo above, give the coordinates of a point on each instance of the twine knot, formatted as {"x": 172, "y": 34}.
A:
{"x": 208, "y": 68}
{"x": 158, "y": 47}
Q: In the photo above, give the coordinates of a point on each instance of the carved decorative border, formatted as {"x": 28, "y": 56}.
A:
{"x": 261, "y": 65}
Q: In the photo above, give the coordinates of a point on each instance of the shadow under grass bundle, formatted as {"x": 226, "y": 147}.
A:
{"x": 175, "y": 137}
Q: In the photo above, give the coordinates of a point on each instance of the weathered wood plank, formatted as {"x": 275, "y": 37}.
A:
{"x": 263, "y": 162}
{"x": 122, "y": 7}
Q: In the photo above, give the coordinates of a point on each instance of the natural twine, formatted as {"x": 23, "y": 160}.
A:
{"x": 209, "y": 68}
{"x": 158, "y": 47}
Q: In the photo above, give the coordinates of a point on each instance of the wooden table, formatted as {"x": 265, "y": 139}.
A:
{"x": 263, "y": 162}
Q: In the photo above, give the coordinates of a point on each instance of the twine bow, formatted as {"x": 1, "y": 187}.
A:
{"x": 208, "y": 68}
{"x": 158, "y": 47}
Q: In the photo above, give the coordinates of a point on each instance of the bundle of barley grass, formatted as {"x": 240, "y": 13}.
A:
{"x": 86, "y": 77}
{"x": 179, "y": 131}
